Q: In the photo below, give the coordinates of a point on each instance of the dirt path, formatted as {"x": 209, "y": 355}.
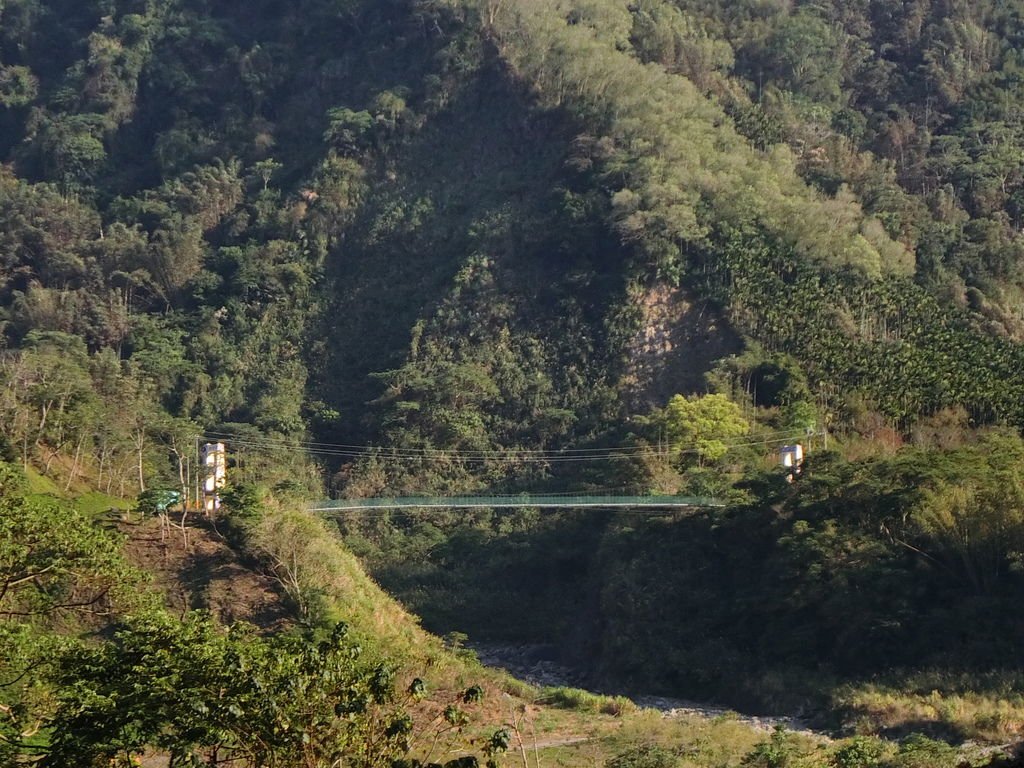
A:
{"x": 564, "y": 741}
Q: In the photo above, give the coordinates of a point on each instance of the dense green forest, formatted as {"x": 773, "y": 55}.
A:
{"x": 408, "y": 247}
{"x": 433, "y": 225}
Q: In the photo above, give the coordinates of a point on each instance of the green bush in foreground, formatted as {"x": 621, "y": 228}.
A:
{"x": 206, "y": 696}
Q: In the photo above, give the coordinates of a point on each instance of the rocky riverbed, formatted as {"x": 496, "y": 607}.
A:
{"x": 538, "y": 665}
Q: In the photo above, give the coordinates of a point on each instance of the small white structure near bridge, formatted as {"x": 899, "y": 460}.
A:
{"x": 791, "y": 457}
{"x": 213, "y": 458}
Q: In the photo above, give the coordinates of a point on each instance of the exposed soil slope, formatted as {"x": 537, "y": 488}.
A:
{"x": 206, "y": 574}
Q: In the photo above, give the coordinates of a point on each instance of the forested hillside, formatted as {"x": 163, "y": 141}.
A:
{"x": 405, "y": 247}
{"x": 435, "y": 225}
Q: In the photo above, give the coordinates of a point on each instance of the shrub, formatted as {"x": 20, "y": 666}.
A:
{"x": 645, "y": 756}
{"x": 919, "y": 751}
{"x": 860, "y": 752}
{"x": 778, "y": 752}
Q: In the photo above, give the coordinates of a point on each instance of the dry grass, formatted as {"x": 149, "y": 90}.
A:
{"x": 989, "y": 713}
{"x": 585, "y": 701}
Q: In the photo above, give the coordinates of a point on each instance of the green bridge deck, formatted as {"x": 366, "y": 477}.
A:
{"x": 522, "y": 500}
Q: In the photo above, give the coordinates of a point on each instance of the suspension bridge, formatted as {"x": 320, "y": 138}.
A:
{"x": 605, "y": 499}
{"x": 526, "y": 500}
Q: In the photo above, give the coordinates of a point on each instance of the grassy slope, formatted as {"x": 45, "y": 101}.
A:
{"x": 208, "y": 573}
{"x": 344, "y": 592}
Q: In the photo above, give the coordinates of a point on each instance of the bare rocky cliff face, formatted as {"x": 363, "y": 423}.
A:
{"x": 680, "y": 339}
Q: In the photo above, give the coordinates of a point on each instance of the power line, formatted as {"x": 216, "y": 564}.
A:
{"x": 342, "y": 447}
{"x": 518, "y": 455}
{"x": 443, "y": 453}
